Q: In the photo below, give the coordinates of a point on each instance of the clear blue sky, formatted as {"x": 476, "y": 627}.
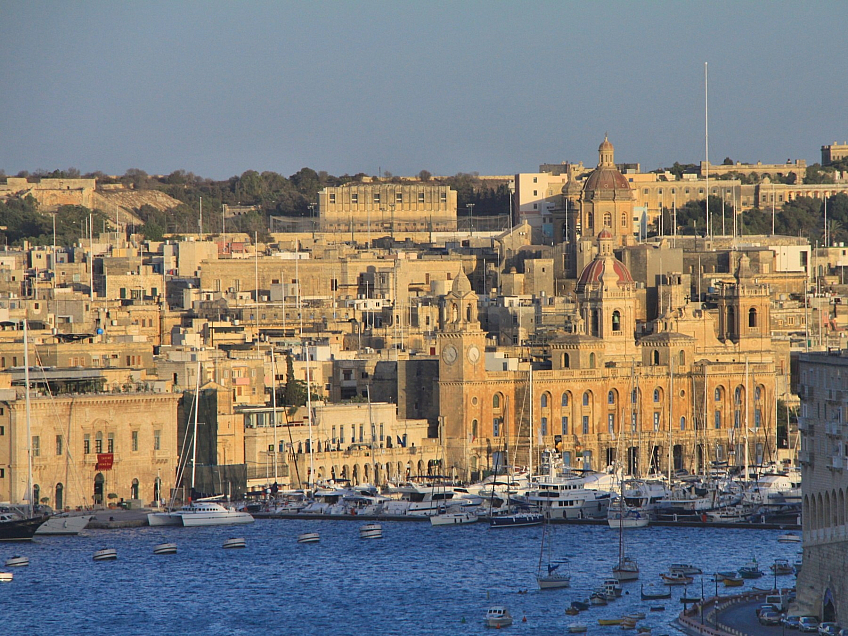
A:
{"x": 217, "y": 88}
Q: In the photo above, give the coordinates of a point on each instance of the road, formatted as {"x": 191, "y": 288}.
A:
{"x": 743, "y": 618}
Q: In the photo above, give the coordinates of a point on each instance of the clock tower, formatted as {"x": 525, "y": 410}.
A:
{"x": 462, "y": 347}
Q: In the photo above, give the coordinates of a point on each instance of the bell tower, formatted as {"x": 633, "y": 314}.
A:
{"x": 744, "y": 310}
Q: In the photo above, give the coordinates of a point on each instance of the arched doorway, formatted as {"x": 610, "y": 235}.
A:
{"x": 828, "y": 607}
{"x": 677, "y": 455}
{"x": 134, "y": 489}
{"x": 60, "y": 497}
{"x": 98, "y": 489}
{"x": 157, "y": 490}
{"x": 36, "y": 495}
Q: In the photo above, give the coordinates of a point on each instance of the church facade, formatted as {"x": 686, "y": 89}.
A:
{"x": 698, "y": 388}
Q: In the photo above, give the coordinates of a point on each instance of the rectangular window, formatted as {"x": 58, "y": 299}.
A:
{"x": 98, "y": 445}
{"x": 544, "y": 426}
{"x": 334, "y": 434}
{"x": 157, "y": 440}
{"x": 585, "y": 424}
{"x": 656, "y": 421}
{"x": 737, "y": 417}
{"x": 718, "y": 419}
{"x": 535, "y": 193}
{"x": 361, "y": 433}
{"x": 36, "y": 446}
{"x": 633, "y": 422}
{"x": 110, "y": 443}
{"x": 566, "y": 458}
{"x": 59, "y": 445}
{"x": 352, "y": 433}
{"x": 341, "y": 434}
{"x": 86, "y": 444}
{"x": 382, "y": 438}
{"x": 2, "y": 430}
{"x": 398, "y": 197}
{"x": 2, "y": 473}
{"x": 373, "y": 433}
{"x": 443, "y": 197}
{"x": 565, "y": 425}
{"x": 421, "y": 197}
{"x": 354, "y": 198}
{"x": 135, "y": 441}
{"x": 376, "y": 197}
{"x": 611, "y": 423}
{"x": 496, "y": 427}
{"x": 758, "y": 418}
{"x": 332, "y": 197}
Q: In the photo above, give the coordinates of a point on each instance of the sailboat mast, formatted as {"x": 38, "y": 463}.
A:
{"x": 670, "y": 408}
{"x": 28, "y": 422}
{"x": 530, "y": 465}
{"x": 194, "y": 434}
{"x": 309, "y": 415}
{"x": 274, "y": 407}
{"x": 746, "y": 420}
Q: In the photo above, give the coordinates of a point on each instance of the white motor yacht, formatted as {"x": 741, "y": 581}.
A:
{"x": 568, "y": 497}
{"x": 202, "y": 512}
{"x": 65, "y": 523}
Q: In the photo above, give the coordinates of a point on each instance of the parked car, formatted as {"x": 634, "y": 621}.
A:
{"x": 828, "y": 629}
{"x": 767, "y": 607}
{"x": 769, "y": 618}
{"x": 808, "y": 624}
{"x": 791, "y": 622}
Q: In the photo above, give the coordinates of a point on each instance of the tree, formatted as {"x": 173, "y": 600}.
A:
{"x": 294, "y": 390}
{"x": 817, "y": 173}
{"x": 727, "y": 161}
{"x": 424, "y": 175}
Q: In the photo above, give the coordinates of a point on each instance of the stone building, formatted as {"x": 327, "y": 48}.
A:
{"x": 822, "y": 584}
{"x": 697, "y": 387}
{"x": 384, "y": 208}
{"x": 88, "y": 446}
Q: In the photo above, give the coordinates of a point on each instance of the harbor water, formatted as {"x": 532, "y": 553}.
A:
{"x": 416, "y": 579}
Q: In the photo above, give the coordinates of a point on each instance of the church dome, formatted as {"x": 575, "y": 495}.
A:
{"x": 606, "y": 145}
{"x": 604, "y": 270}
{"x": 606, "y": 176}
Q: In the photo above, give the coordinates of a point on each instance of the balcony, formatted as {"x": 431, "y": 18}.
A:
{"x": 837, "y": 463}
{"x": 803, "y": 425}
{"x": 833, "y": 429}
{"x": 806, "y": 457}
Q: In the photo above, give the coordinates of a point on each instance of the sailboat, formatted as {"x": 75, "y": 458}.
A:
{"x": 16, "y": 525}
{"x": 626, "y": 569}
{"x": 207, "y": 511}
{"x": 548, "y": 575}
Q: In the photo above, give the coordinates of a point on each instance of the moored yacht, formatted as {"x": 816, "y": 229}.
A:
{"x": 567, "y": 497}
{"x": 201, "y": 512}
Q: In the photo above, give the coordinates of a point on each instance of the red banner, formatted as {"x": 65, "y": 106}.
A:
{"x": 104, "y": 461}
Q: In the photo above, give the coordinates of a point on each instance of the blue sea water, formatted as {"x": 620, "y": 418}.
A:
{"x": 417, "y": 579}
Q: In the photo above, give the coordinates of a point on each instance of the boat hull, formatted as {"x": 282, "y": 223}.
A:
{"x": 231, "y": 518}
{"x": 20, "y": 529}
{"x": 165, "y": 548}
{"x": 308, "y": 537}
{"x": 553, "y": 582}
{"x": 516, "y": 521}
{"x": 108, "y": 554}
{"x": 453, "y": 519}
{"x": 64, "y": 525}
{"x": 371, "y": 531}
{"x": 163, "y": 519}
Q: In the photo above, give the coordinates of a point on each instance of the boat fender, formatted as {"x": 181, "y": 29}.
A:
{"x": 524, "y": 620}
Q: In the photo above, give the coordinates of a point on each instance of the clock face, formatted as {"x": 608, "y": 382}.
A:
{"x": 449, "y": 354}
{"x": 473, "y": 354}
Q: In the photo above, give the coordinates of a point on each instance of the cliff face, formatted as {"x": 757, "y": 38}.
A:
{"x": 125, "y": 201}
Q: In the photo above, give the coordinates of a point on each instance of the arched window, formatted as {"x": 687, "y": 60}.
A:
{"x": 473, "y": 429}
{"x": 594, "y": 322}
{"x": 634, "y": 396}
{"x": 737, "y": 395}
{"x": 591, "y": 360}
{"x": 731, "y": 319}
{"x": 590, "y": 221}
{"x": 616, "y": 320}
{"x": 682, "y": 423}
{"x": 59, "y": 502}
{"x": 624, "y": 219}
{"x": 134, "y": 489}
{"x": 611, "y": 397}
{"x": 543, "y": 402}
{"x": 98, "y": 442}
{"x": 757, "y": 393}
{"x": 586, "y": 399}
{"x": 718, "y": 393}
{"x": 655, "y": 357}
{"x": 496, "y": 401}
{"x": 468, "y": 313}
{"x": 36, "y": 495}
{"x": 657, "y": 395}
{"x": 682, "y": 358}
{"x": 565, "y": 399}
{"x": 566, "y": 361}
{"x": 607, "y": 219}
{"x": 752, "y": 317}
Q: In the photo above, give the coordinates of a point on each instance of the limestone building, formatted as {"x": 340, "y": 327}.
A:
{"x": 823, "y": 388}
{"x": 384, "y": 208}
{"x": 698, "y": 387}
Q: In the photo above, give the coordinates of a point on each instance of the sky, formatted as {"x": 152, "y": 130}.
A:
{"x": 495, "y": 87}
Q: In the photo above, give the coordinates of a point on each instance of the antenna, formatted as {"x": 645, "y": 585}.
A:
{"x": 707, "y": 150}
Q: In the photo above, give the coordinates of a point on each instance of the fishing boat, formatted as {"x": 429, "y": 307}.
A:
{"x": 598, "y": 597}
{"x": 17, "y": 562}
{"x": 726, "y": 574}
{"x": 684, "y": 568}
{"x": 497, "y": 616}
{"x": 371, "y": 531}
{"x": 675, "y": 578}
{"x": 789, "y": 537}
{"x": 308, "y": 537}
{"x": 733, "y": 581}
{"x": 580, "y": 606}
{"x": 609, "y": 621}
{"x": 165, "y": 548}
{"x": 627, "y": 519}
{"x": 657, "y": 608}
{"x": 106, "y": 554}
{"x": 781, "y": 567}
{"x": 236, "y": 542}
{"x": 612, "y": 587}
{"x": 751, "y": 570}
{"x": 578, "y": 628}
{"x": 654, "y": 596}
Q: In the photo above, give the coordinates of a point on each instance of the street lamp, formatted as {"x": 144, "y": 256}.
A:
{"x": 311, "y": 207}
{"x": 470, "y": 207}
